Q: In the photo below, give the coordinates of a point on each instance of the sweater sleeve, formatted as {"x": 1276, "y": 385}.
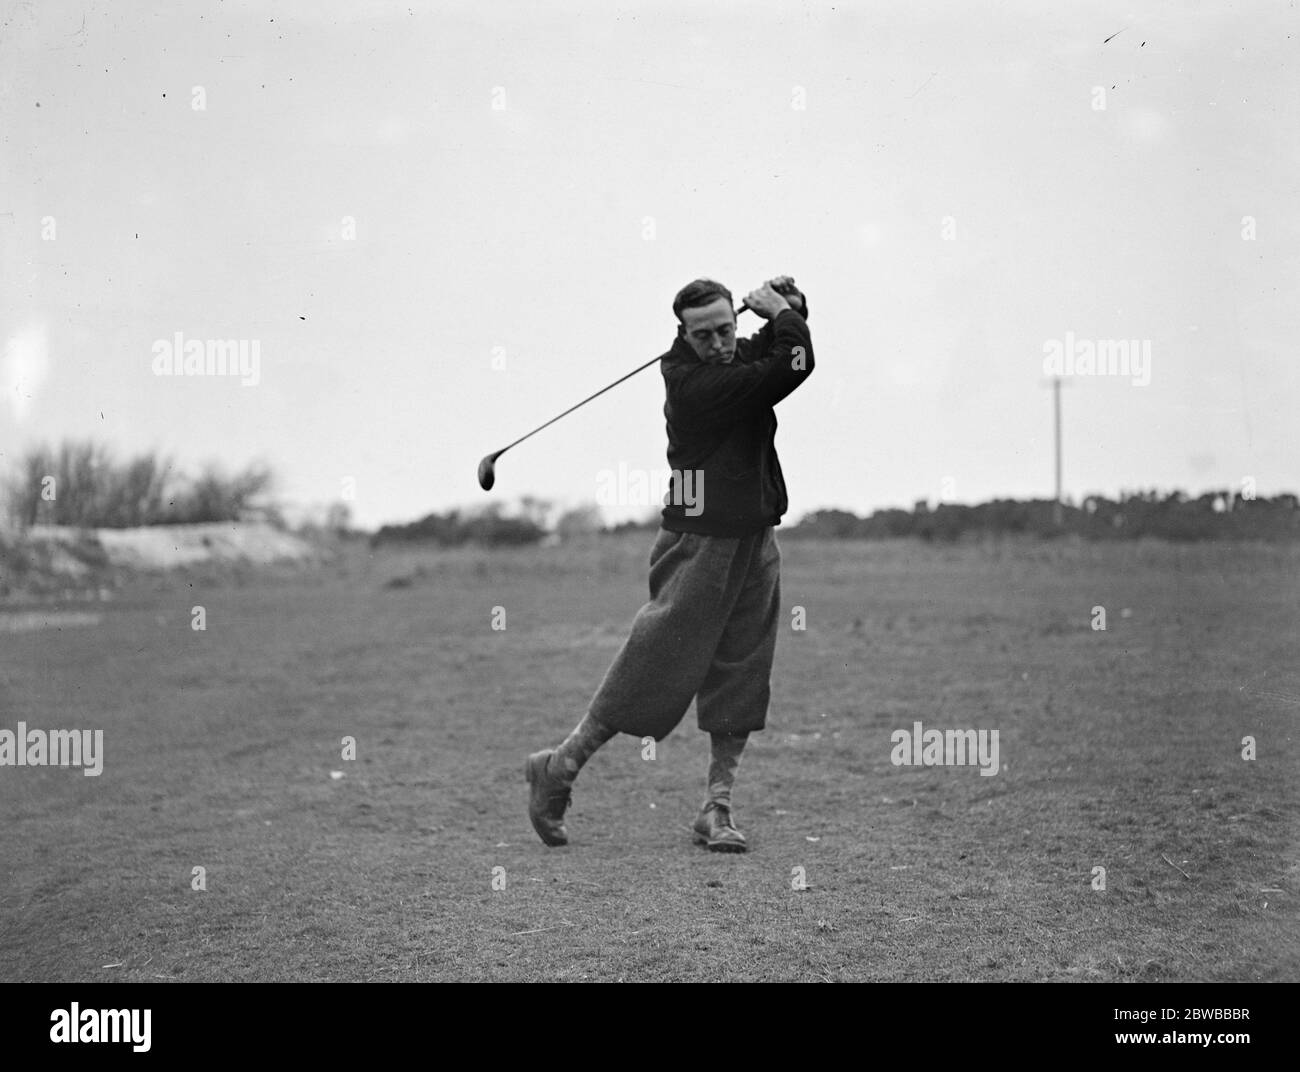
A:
{"x": 736, "y": 391}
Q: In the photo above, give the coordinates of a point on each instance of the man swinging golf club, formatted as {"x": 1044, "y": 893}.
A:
{"x": 709, "y": 630}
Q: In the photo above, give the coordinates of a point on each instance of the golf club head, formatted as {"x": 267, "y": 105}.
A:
{"x": 487, "y": 472}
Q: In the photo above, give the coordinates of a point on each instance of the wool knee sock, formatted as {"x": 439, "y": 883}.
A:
{"x": 587, "y": 736}
{"x": 723, "y": 760}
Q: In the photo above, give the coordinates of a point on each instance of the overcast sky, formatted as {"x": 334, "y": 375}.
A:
{"x": 953, "y": 185}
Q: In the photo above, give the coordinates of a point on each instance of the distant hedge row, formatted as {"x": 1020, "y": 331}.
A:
{"x": 1173, "y": 516}
{"x": 453, "y": 529}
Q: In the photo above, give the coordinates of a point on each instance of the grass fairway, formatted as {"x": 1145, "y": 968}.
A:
{"x": 1118, "y": 749}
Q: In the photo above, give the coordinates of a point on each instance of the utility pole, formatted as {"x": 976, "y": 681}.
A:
{"x": 1057, "y": 511}
{"x": 1058, "y": 507}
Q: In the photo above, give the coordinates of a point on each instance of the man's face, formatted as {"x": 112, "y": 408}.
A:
{"x": 711, "y": 331}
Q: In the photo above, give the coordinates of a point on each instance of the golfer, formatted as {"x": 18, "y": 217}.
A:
{"x": 709, "y": 630}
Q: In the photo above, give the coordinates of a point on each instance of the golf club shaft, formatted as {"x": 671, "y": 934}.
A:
{"x": 639, "y": 368}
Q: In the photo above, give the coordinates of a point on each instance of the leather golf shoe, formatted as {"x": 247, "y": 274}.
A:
{"x": 714, "y": 829}
{"x": 548, "y": 798}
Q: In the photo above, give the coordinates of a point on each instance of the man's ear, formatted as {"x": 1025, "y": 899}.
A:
{"x": 681, "y": 330}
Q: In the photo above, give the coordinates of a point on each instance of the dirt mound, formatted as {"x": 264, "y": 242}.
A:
{"x": 48, "y": 561}
{"x": 161, "y": 547}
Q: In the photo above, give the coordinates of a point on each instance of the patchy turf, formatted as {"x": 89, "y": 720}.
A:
{"x": 1118, "y": 749}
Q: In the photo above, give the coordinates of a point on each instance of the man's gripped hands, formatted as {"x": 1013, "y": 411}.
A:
{"x": 774, "y": 296}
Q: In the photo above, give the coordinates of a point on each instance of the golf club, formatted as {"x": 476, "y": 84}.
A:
{"x": 487, "y": 472}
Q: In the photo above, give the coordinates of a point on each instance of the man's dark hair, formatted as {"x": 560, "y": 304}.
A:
{"x": 700, "y": 292}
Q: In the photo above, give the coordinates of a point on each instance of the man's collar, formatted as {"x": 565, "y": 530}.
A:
{"x": 681, "y": 353}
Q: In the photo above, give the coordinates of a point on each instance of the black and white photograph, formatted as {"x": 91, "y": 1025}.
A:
{"x": 653, "y": 493}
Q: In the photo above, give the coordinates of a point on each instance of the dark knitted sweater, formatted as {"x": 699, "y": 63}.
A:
{"x": 722, "y": 428}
